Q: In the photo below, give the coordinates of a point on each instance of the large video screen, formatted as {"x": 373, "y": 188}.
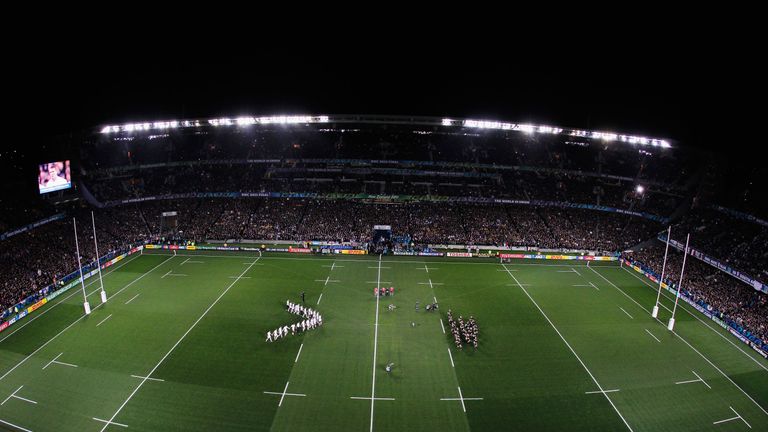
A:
{"x": 54, "y": 176}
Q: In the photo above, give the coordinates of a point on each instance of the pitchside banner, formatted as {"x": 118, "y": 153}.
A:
{"x": 37, "y": 305}
{"x": 32, "y": 226}
{"x": 560, "y": 257}
{"x": 299, "y": 250}
{"x": 718, "y": 265}
{"x": 351, "y": 251}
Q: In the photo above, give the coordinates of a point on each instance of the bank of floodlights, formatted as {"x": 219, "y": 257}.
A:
{"x": 247, "y": 121}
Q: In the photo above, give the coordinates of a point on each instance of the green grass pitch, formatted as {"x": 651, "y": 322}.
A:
{"x": 180, "y": 346}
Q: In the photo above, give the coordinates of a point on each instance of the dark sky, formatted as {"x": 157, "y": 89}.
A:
{"x": 690, "y": 108}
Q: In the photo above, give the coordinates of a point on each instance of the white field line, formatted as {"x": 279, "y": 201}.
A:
{"x": 326, "y": 280}
{"x": 185, "y": 261}
{"x": 685, "y": 342}
{"x": 602, "y": 391}
{"x": 283, "y": 396}
{"x": 575, "y": 271}
{"x": 572, "y": 350}
{"x": 133, "y": 298}
{"x": 63, "y": 299}
{"x": 594, "y": 286}
{"x": 287, "y": 394}
{"x": 375, "y": 344}
{"x": 701, "y": 321}
{"x": 102, "y": 321}
{"x": 425, "y": 268}
{"x": 77, "y": 320}
{"x": 702, "y": 379}
{"x": 319, "y": 298}
{"x": 630, "y": 316}
{"x": 234, "y": 277}
{"x": 11, "y": 395}
{"x": 14, "y": 426}
{"x": 299, "y": 353}
{"x": 651, "y": 334}
{"x": 726, "y": 420}
{"x": 738, "y": 416}
{"x": 688, "y": 382}
{"x": 65, "y": 364}
{"x": 54, "y": 359}
{"x": 109, "y": 422}
{"x": 163, "y": 276}
{"x": 151, "y": 379}
{"x": 461, "y": 397}
{"x": 442, "y": 326}
{"x": 449, "y": 353}
{"x": 175, "y": 345}
{"x": 367, "y": 398}
{"x": 25, "y": 400}
{"x": 742, "y": 418}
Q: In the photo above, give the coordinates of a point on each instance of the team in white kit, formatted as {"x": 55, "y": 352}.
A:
{"x": 313, "y": 320}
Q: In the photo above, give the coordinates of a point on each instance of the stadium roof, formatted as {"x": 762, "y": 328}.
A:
{"x": 249, "y": 121}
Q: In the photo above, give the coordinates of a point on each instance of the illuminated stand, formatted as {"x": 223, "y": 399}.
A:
{"x": 671, "y": 325}
{"x": 86, "y": 305}
{"x": 98, "y": 264}
{"x": 655, "y": 312}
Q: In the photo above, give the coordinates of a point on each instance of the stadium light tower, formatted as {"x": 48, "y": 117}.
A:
{"x": 98, "y": 263}
{"x": 671, "y": 325}
{"x": 86, "y": 305}
{"x": 655, "y": 312}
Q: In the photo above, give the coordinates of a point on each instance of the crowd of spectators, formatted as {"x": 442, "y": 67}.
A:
{"x": 397, "y": 179}
{"x": 726, "y": 296}
{"x": 423, "y": 222}
{"x": 44, "y": 255}
{"x": 738, "y": 243}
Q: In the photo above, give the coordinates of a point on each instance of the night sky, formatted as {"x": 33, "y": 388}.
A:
{"x": 92, "y": 95}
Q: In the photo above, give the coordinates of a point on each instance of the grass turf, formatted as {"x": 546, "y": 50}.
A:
{"x": 544, "y": 344}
